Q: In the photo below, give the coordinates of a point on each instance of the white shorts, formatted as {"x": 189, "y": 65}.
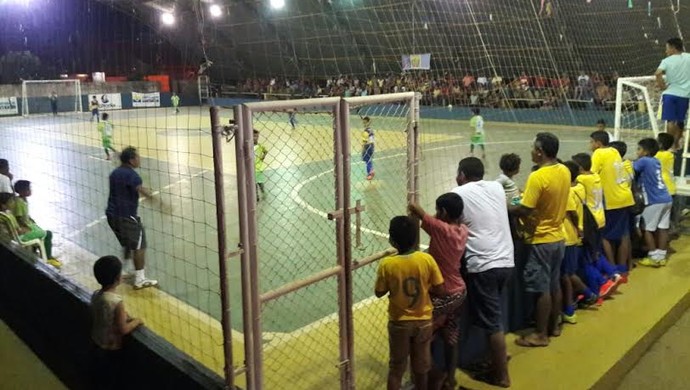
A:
{"x": 657, "y": 216}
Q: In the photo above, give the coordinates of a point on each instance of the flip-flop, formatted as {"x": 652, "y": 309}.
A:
{"x": 525, "y": 342}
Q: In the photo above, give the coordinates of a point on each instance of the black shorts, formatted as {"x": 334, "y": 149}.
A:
{"x": 129, "y": 232}
{"x": 484, "y": 290}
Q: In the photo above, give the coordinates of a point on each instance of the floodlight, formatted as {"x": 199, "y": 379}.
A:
{"x": 277, "y": 4}
{"x": 167, "y": 18}
{"x": 215, "y": 10}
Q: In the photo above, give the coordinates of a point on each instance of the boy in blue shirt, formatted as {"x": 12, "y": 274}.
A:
{"x": 657, "y": 211}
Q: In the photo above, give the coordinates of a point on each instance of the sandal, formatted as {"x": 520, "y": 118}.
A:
{"x": 526, "y": 341}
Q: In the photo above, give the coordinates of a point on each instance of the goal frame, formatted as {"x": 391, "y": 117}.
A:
{"x": 78, "y": 107}
{"x": 634, "y": 82}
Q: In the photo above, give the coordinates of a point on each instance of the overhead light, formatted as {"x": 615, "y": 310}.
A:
{"x": 277, "y": 4}
{"x": 167, "y": 18}
{"x": 215, "y": 10}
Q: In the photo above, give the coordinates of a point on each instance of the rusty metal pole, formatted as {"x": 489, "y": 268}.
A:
{"x": 244, "y": 255}
{"x": 346, "y": 319}
{"x": 251, "y": 246}
{"x": 216, "y": 130}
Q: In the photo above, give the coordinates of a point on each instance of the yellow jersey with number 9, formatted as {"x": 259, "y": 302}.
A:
{"x": 608, "y": 164}
{"x": 407, "y": 279}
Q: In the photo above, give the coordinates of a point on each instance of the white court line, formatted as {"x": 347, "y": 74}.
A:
{"x": 282, "y": 338}
{"x": 99, "y": 159}
{"x": 298, "y": 199}
{"x": 101, "y": 219}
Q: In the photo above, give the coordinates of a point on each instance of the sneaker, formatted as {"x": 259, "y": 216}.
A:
{"x": 588, "y": 301}
{"x": 624, "y": 279}
{"x": 647, "y": 262}
{"x": 662, "y": 263}
{"x": 607, "y": 288}
{"x": 144, "y": 283}
{"x": 370, "y": 176}
{"x": 569, "y": 319}
{"x": 54, "y": 262}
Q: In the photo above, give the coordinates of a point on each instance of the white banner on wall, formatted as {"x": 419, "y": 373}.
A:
{"x": 110, "y": 101}
{"x": 152, "y": 99}
{"x": 416, "y": 61}
{"x": 8, "y": 106}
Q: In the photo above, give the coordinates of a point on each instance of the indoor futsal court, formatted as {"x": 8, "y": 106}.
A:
{"x": 296, "y": 238}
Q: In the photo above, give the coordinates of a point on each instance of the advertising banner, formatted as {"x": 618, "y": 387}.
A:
{"x": 146, "y": 99}
{"x": 110, "y": 101}
{"x": 8, "y": 106}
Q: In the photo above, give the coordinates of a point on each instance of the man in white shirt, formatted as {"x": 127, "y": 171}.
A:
{"x": 488, "y": 258}
{"x": 5, "y": 177}
{"x": 676, "y": 87}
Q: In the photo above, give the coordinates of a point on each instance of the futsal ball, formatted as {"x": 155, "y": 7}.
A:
{"x": 450, "y": 107}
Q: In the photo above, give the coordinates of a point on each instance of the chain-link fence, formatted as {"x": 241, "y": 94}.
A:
{"x": 65, "y": 159}
{"x": 322, "y": 179}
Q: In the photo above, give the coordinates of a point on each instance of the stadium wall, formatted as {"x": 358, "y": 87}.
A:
{"x": 51, "y": 315}
{"x": 44, "y": 90}
{"x": 41, "y": 104}
{"x": 582, "y": 116}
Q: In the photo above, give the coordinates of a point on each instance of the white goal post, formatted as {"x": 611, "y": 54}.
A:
{"x": 638, "y": 108}
{"x": 40, "y": 90}
{"x": 638, "y": 115}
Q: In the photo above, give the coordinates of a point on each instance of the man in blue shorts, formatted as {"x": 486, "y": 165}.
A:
{"x": 676, "y": 87}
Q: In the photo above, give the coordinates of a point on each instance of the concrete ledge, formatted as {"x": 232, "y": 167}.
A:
{"x": 50, "y": 313}
{"x": 607, "y": 342}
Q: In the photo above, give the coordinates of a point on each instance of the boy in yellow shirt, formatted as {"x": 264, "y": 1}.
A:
{"x": 608, "y": 164}
{"x": 572, "y": 228}
{"x": 667, "y": 160}
{"x": 544, "y": 203}
{"x": 635, "y": 233}
{"x": 408, "y": 278}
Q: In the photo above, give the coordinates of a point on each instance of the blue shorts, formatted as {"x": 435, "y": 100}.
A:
{"x": 571, "y": 257}
{"x": 617, "y": 224}
{"x": 675, "y": 108}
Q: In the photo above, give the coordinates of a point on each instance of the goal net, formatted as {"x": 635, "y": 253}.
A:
{"x": 36, "y": 96}
{"x": 638, "y": 108}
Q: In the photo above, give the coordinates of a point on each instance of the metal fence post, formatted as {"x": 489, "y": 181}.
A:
{"x": 342, "y": 139}
{"x": 245, "y": 258}
{"x": 251, "y": 245}
{"x": 216, "y": 129}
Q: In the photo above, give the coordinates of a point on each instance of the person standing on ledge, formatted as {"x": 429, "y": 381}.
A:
{"x": 675, "y": 87}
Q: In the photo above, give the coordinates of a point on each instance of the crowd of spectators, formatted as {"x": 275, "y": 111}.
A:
{"x": 575, "y": 228}
{"x": 520, "y": 91}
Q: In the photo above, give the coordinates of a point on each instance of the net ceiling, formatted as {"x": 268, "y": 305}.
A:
{"x": 317, "y": 38}
{"x": 325, "y": 38}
